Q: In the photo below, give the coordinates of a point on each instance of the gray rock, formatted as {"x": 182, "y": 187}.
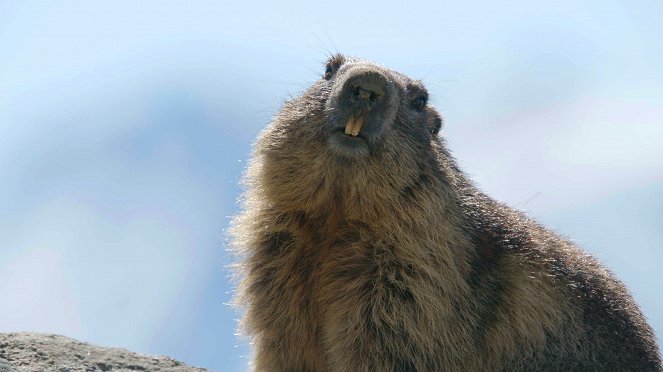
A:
{"x": 21, "y": 352}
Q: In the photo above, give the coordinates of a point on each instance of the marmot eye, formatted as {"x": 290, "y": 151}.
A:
{"x": 328, "y": 72}
{"x": 419, "y": 103}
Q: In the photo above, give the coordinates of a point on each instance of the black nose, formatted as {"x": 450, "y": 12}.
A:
{"x": 366, "y": 89}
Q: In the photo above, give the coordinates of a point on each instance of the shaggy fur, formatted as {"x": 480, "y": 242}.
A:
{"x": 385, "y": 257}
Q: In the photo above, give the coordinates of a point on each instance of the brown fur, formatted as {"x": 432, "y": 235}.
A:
{"x": 392, "y": 260}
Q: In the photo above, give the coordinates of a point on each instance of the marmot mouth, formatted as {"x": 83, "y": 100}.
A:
{"x": 354, "y": 124}
{"x": 352, "y": 139}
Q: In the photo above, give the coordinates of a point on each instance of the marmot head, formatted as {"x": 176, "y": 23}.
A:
{"x": 360, "y": 132}
{"x": 367, "y": 105}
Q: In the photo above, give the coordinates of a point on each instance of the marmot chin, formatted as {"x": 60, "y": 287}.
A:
{"x": 363, "y": 247}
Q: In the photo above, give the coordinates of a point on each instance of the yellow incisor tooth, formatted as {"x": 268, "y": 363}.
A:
{"x": 359, "y": 122}
{"x": 353, "y": 126}
{"x": 349, "y": 126}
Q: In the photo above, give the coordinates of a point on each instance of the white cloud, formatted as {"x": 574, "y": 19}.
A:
{"x": 37, "y": 294}
{"x": 75, "y": 270}
{"x": 551, "y": 157}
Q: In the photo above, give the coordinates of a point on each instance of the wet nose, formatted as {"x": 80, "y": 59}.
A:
{"x": 366, "y": 89}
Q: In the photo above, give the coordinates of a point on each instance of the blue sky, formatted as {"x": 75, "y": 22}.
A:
{"x": 125, "y": 127}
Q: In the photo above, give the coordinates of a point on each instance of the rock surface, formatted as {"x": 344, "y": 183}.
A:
{"x": 21, "y": 352}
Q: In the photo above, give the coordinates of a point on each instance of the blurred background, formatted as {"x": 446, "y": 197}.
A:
{"x": 125, "y": 127}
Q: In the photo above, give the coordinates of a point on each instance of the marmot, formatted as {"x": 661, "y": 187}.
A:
{"x": 363, "y": 247}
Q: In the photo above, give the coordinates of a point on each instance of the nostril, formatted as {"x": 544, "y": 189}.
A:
{"x": 361, "y": 93}
{"x": 364, "y": 90}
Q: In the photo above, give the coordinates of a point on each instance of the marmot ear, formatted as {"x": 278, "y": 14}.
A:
{"x": 434, "y": 122}
{"x": 333, "y": 65}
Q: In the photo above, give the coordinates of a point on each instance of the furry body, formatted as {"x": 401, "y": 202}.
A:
{"x": 382, "y": 256}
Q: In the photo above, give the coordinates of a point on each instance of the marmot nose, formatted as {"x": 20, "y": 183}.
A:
{"x": 366, "y": 89}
